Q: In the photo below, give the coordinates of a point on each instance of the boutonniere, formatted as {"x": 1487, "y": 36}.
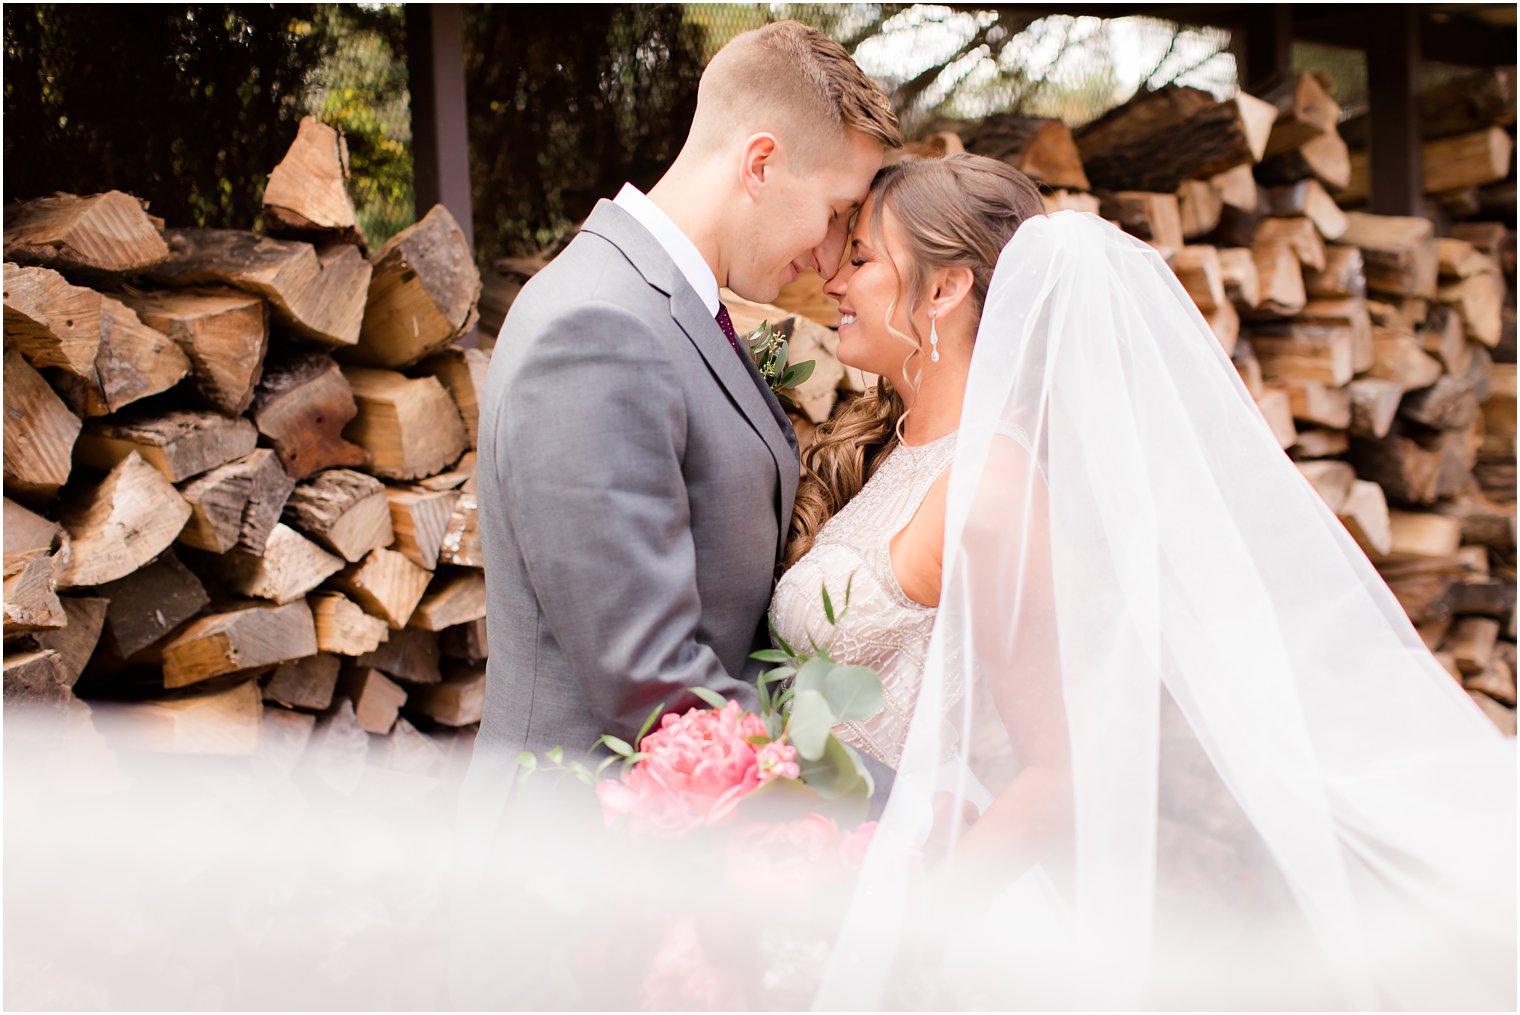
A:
{"x": 770, "y": 348}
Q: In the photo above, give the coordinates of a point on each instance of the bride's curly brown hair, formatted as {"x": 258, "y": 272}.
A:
{"x": 955, "y": 212}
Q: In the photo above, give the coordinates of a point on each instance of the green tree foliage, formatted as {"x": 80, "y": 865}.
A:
{"x": 186, "y": 105}
{"x": 566, "y": 102}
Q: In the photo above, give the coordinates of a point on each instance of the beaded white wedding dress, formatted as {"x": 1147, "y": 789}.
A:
{"x": 883, "y": 628}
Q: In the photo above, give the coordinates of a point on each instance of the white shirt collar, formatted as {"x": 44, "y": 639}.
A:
{"x": 675, "y": 243}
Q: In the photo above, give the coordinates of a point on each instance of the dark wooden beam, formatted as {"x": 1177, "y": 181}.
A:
{"x": 1393, "y": 95}
{"x": 1268, "y": 45}
{"x": 440, "y": 125}
{"x": 1445, "y": 36}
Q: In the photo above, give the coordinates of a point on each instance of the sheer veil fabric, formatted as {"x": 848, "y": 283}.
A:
{"x": 1210, "y": 761}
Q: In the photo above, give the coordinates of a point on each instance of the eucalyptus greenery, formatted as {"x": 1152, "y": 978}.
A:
{"x": 769, "y": 347}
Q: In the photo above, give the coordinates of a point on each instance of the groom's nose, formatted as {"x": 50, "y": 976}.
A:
{"x": 828, "y": 254}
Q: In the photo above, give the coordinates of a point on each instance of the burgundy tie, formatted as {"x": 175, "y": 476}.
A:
{"x": 727, "y": 324}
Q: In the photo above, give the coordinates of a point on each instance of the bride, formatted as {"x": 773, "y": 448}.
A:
{"x": 1166, "y": 735}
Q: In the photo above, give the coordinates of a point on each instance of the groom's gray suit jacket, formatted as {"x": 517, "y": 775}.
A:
{"x": 635, "y": 479}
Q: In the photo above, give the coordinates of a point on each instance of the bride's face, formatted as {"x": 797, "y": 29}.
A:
{"x": 865, "y": 287}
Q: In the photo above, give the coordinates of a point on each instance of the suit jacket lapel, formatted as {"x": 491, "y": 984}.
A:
{"x": 737, "y": 374}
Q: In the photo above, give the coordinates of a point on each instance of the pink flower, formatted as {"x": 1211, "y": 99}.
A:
{"x": 853, "y": 846}
{"x": 698, "y": 766}
{"x": 778, "y": 761}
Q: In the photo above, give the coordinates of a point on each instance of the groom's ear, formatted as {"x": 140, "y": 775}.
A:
{"x": 758, "y": 162}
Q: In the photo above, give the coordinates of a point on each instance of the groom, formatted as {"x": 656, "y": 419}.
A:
{"x": 635, "y": 473}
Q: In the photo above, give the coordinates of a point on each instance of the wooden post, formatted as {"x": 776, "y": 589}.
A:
{"x": 1268, "y": 44}
{"x": 1393, "y": 85}
{"x": 440, "y": 124}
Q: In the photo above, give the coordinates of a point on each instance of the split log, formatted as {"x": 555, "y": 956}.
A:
{"x": 1324, "y": 158}
{"x": 422, "y": 294}
{"x": 283, "y": 736}
{"x": 1320, "y": 443}
{"x": 345, "y": 511}
{"x": 1400, "y": 312}
{"x": 456, "y": 598}
{"x": 419, "y": 521}
{"x": 1243, "y": 356}
{"x": 1374, "y": 403}
{"x": 240, "y": 639}
{"x": 407, "y": 750}
{"x": 1461, "y": 259}
{"x": 318, "y": 292}
{"x": 1472, "y": 643}
{"x": 1347, "y": 313}
{"x": 1444, "y": 338}
{"x": 1308, "y": 199}
{"x": 1199, "y": 204}
{"x": 1497, "y": 680}
{"x": 409, "y": 427}
{"x": 1484, "y": 522}
{"x": 302, "y": 405}
{"x": 26, "y": 530}
{"x": 1448, "y": 404}
{"x": 1041, "y": 148}
{"x": 113, "y": 357}
{"x": 816, "y": 395}
{"x": 1400, "y": 252}
{"x": 377, "y": 699}
{"x": 307, "y": 193}
{"x": 1160, "y": 138}
{"x": 1199, "y": 270}
{"x": 1397, "y": 357}
{"x": 1479, "y": 300}
{"x": 804, "y": 295}
{"x": 39, "y": 434}
{"x": 1407, "y": 472}
{"x": 290, "y": 566}
{"x": 236, "y": 505}
{"x": 343, "y": 628}
{"x": 386, "y": 584}
{"x": 1365, "y": 515}
{"x": 1280, "y": 278}
{"x": 102, "y": 233}
{"x": 1489, "y": 238}
{"x": 1224, "y": 322}
{"x": 1457, "y": 453}
{"x": 1300, "y": 236}
{"x": 304, "y": 683}
{"x": 1237, "y": 269}
{"x": 1153, "y": 217}
{"x": 1278, "y": 413}
{"x": 1236, "y": 188}
{"x": 1322, "y": 353}
{"x": 466, "y": 641}
{"x": 1331, "y": 480}
{"x": 36, "y": 678}
{"x": 1480, "y": 370}
{"x": 179, "y": 443}
{"x": 455, "y": 478}
{"x": 410, "y": 654}
{"x": 338, "y": 755}
{"x": 76, "y": 640}
{"x": 1305, "y": 111}
{"x": 1420, "y": 535}
{"x": 1319, "y": 404}
{"x": 1503, "y": 718}
{"x": 458, "y": 701}
{"x": 1459, "y": 105}
{"x": 1451, "y": 163}
{"x": 1499, "y": 411}
{"x": 120, "y": 524}
{"x": 461, "y": 539}
{"x": 146, "y": 605}
{"x": 31, "y": 601}
{"x": 1344, "y": 274}
{"x": 225, "y": 722}
{"x": 223, "y": 332}
{"x": 463, "y": 373}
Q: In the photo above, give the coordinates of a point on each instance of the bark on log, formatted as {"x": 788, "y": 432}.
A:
{"x": 1451, "y": 403}
{"x": 102, "y": 233}
{"x": 307, "y": 194}
{"x": 318, "y": 292}
{"x": 345, "y": 511}
{"x": 411, "y": 654}
{"x": 466, "y": 641}
{"x": 179, "y": 443}
{"x": 307, "y": 683}
{"x": 1451, "y": 163}
{"x": 240, "y": 639}
{"x": 1041, "y": 148}
{"x": 75, "y": 642}
{"x": 149, "y": 603}
{"x": 119, "y": 525}
{"x": 1407, "y": 472}
{"x": 302, "y": 405}
{"x": 236, "y": 505}
{"x": 31, "y": 601}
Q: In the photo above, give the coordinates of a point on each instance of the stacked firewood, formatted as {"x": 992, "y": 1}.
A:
{"x": 239, "y": 479}
{"x": 1380, "y": 349}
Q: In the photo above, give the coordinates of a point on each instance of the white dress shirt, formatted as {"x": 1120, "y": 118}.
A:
{"x": 676, "y": 243}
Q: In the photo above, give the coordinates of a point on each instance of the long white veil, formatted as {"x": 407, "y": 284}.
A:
{"x": 1213, "y": 763}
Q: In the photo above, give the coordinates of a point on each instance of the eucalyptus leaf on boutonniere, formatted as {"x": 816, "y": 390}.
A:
{"x": 770, "y": 348}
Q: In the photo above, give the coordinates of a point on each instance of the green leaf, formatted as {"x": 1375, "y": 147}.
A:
{"x": 800, "y": 372}
{"x": 779, "y": 673}
{"x": 556, "y": 755}
{"x": 853, "y": 692}
{"x": 771, "y": 655}
{"x": 811, "y": 721}
{"x": 837, "y": 772}
{"x": 811, "y": 675}
{"x": 780, "y": 641}
{"x": 848, "y": 586}
{"x": 710, "y": 696}
{"x": 758, "y": 740}
{"x": 603, "y": 766}
{"x": 649, "y": 723}
{"x": 828, "y": 604}
{"x": 581, "y": 772}
{"x": 619, "y": 747}
{"x": 528, "y": 760}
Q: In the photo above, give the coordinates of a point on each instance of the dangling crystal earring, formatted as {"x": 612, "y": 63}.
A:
{"x": 933, "y": 338}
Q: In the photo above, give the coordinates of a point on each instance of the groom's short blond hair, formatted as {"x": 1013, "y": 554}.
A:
{"x": 795, "y": 82}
